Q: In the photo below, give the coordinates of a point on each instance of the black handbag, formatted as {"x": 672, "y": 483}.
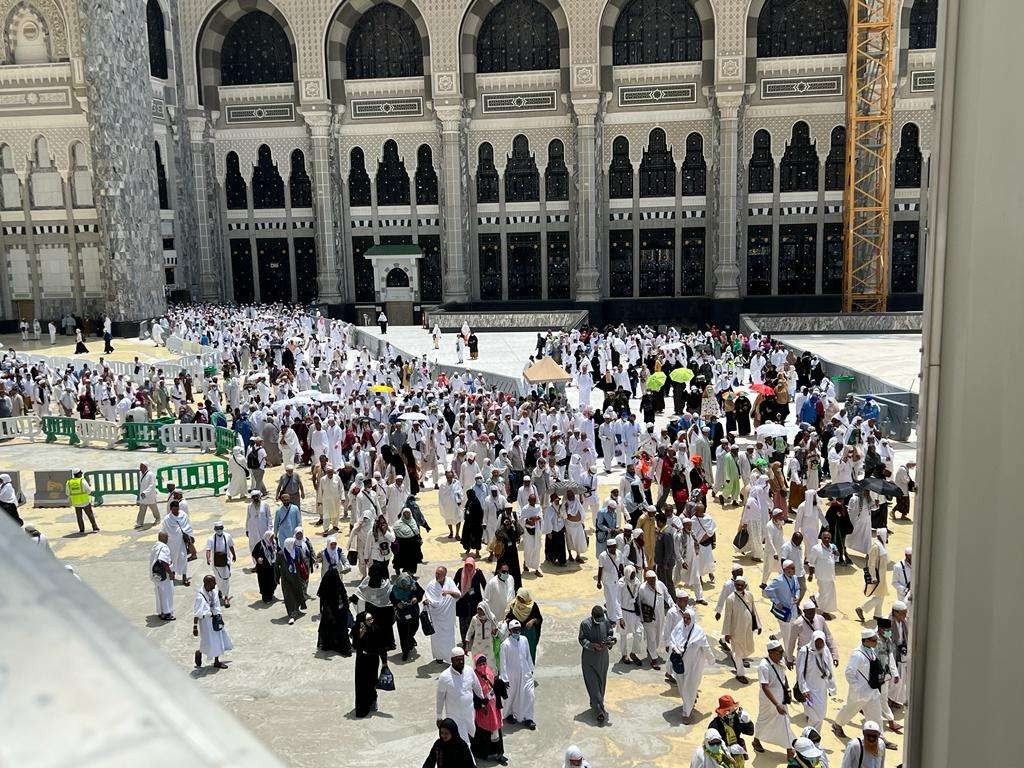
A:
{"x": 218, "y": 622}
{"x": 352, "y": 557}
{"x": 426, "y": 624}
{"x": 676, "y": 660}
{"x": 386, "y": 681}
{"x": 741, "y": 538}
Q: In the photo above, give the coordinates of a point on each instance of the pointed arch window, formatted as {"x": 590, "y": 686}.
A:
{"x": 620, "y": 171}
{"x": 235, "y": 185}
{"x": 358, "y": 180}
{"x": 657, "y": 168}
{"x": 835, "y": 163}
{"x": 908, "y": 159}
{"x": 695, "y": 167}
{"x": 426, "y": 176}
{"x": 157, "y": 40}
{"x": 517, "y": 36}
{"x": 256, "y": 50}
{"x": 924, "y": 22}
{"x": 522, "y": 181}
{"x": 656, "y": 32}
{"x": 300, "y": 188}
{"x": 392, "y": 178}
{"x": 556, "y": 175}
{"x": 801, "y": 28}
{"x": 384, "y": 43}
{"x": 761, "y": 171}
{"x": 486, "y": 175}
{"x": 267, "y": 184}
{"x": 798, "y": 171}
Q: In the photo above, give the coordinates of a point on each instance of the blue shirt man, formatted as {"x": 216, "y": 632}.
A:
{"x": 286, "y": 520}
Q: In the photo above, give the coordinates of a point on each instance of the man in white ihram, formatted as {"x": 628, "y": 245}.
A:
{"x": 456, "y": 687}
{"x": 439, "y": 601}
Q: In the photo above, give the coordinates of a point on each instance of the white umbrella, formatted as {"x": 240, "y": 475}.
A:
{"x": 772, "y": 430}
{"x": 413, "y": 416}
{"x": 281, "y": 404}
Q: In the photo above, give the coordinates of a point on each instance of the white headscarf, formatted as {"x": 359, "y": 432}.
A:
{"x": 574, "y": 753}
{"x": 682, "y": 634}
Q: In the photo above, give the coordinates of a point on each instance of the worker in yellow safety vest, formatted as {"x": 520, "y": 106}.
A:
{"x": 79, "y": 493}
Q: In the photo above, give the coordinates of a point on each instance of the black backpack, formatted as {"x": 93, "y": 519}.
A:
{"x": 253, "y": 459}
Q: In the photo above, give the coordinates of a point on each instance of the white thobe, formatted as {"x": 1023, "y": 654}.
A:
{"x": 211, "y": 643}
{"x": 257, "y": 522}
{"x": 823, "y": 561}
{"x": 815, "y": 678}
{"x": 450, "y": 498}
{"x": 772, "y": 727}
{"x": 692, "y": 644}
{"x": 455, "y": 691}
{"x": 517, "y": 672}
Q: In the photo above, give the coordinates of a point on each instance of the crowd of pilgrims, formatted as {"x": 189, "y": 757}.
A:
{"x": 517, "y": 479}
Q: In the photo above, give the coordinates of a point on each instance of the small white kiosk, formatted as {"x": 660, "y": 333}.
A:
{"x": 396, "y": 280}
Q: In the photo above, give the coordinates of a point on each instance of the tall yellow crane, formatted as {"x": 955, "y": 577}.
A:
{"x": 866, "y": 200}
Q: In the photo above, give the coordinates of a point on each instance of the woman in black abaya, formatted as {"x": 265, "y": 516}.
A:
{"x": 332, "y": 632}
{"x": 370, "y": 655}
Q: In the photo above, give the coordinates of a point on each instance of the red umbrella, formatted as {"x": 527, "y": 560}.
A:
{"x": 763, "y": 389}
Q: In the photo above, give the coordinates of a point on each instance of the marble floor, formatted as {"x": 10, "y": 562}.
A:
{"x": 895, "y": 358}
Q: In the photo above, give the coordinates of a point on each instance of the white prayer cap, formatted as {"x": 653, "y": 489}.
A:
{"x": 218, "y": 526}
{"x": 612, "y": 504}
{"x": 471, "y": 455}
{"x": 514, "y": 624}
{"x": 899, "y": 605}
{"x": 650, "y": 575}
{"x": 870, "y": 725}
{"x": 867, "y": 634}
{"x": 805, "y": 748}
{"x": 787, "y": 563}
{"x": 457, "y": 653}
{"x": 289, "y": 468}
{"x": 741, "y": 580}
{"x": 908, "y": 551}
{"x": 332, "y": 539}
{"x": 255, "y": 493}
{"x": 774, "y": 644}
{"x": 807, "y": 605}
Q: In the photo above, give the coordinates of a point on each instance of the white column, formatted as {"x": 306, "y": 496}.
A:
{"x": 206, "y": 196}
{"x": 588, "y": 277}
{"x": 966, "y": 670}
{"x": 729, "y": 105}
{"x": 455, "y": 182}
{"x": 328, "y": 274}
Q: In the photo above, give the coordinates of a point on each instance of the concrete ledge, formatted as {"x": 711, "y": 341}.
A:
{"x": 81, "y": 686}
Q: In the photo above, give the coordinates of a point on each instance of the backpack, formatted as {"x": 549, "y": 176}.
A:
{"x": 252, "y": 461}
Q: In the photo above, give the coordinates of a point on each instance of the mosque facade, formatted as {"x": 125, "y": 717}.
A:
{"x": 634, "y": 156}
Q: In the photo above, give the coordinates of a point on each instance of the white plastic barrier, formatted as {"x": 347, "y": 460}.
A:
{"x": 200, "y": 436}
{"x": 20, "y": 426}
{"x": 95, "y": 431}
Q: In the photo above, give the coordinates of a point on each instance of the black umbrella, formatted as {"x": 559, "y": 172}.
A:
{"x": 880, "y": 486}
{"x": 837, "y": 490}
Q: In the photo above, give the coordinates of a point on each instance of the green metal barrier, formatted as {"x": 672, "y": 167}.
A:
{"x": 164, "y": 420}
{"x": 113, "y": 482}
{"x": 225, "y": 440}
{"x": 142, "y": 435}
{"x": 190, "y": 477}
{"x": 59, "y": 426}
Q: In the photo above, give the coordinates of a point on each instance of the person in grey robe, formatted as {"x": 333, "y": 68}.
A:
{"x": 271, "y": 435}
{"x": 597, "y": 636}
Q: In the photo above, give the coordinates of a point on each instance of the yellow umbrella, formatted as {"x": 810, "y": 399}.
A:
{"x": 382, "y": 388}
